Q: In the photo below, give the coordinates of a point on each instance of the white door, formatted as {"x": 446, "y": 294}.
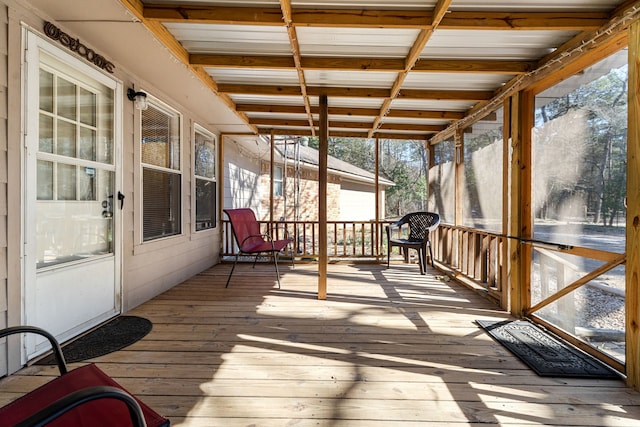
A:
{"x": 72, "y": 208}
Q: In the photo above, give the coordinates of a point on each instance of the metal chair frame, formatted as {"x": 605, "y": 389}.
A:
{"x": 251, "y": 241}
{"x": 73, "y": 397}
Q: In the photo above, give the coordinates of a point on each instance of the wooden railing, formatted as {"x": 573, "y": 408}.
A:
{"x": 475, "y": 256}
{"x": 346, "y": 239}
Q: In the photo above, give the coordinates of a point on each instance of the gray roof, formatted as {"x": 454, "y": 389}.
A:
{"x": 310, "y": 156}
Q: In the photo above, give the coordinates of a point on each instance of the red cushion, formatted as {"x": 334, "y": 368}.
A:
{"x": 97, "y": 413}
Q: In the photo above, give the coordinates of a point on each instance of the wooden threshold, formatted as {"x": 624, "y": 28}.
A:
{"x": 388, "y": 347}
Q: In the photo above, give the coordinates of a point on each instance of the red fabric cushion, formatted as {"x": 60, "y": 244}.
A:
{"x": 97, "y": 413}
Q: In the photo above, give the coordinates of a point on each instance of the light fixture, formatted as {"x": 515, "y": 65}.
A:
{"x": 139, "y": 99}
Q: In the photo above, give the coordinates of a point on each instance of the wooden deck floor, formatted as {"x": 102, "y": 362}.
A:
{"x": 387, "y": 348}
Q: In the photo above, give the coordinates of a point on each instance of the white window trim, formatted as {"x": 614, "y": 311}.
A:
{"x": 167, "y": 109}
{"x": 200, "y": 129}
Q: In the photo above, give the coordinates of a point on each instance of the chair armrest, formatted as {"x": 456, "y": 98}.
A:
{"x": 80, "y": 397}
{"x": 394, "y": 227}
{"x": 55, "y": 346}
{"x": 271, "y": 231}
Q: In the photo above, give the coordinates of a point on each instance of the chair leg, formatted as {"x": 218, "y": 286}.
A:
{"x": 256, "y": 260}
{"x": 421, "y": 261}
{"x": 275, "y": 262}
{"x": 388, "y": 254}
{"x": 293, "y": 258}
{"x": 232, "y": 268}
{"x": 431, "y": 256}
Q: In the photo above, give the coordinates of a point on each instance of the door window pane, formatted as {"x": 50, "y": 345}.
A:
{"x": 78, "y": 230}
{"x": 45, "y": 180}
{"x": 45, "y": 134}
{"x": 74, "y": 210}
{"x": 87, "y": 107}
{"x": 66, "y": 139}
{"x": 46, "y": 91}
{"x": 66, "y": 99}
{"x": 66, "y": 182}
{"x": 86, "y": 183}
{"x": 87, "y": 146}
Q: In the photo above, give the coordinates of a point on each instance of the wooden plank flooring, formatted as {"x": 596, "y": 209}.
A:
{"x": 387, "y": 348}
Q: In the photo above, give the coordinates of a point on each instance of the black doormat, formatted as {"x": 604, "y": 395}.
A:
{"x": 544, "y": 353}
{"x": 114, "y": 335}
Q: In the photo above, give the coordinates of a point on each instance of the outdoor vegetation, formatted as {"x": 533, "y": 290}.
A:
{"x": 403, "y": 162}
{"x": 587, "y": 179}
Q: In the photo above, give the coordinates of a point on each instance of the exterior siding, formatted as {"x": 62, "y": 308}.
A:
{"x": 241, "y": 179}
{"x": 147, "y": 268}
{"x": 357, "y": 202}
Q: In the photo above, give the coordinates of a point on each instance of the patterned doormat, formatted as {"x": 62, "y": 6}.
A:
{"x": 114, "y": 335}
{"x": 544, "y": 353}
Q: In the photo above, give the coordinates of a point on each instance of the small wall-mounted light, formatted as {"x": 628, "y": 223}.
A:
{"x": 139, "y": 99}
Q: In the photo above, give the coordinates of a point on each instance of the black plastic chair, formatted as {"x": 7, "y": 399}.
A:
{"x": 420, "y": 224}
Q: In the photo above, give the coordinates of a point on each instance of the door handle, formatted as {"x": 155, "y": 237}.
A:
{"x": 121, "y": 198}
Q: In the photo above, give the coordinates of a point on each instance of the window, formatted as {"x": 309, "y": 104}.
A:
{"x": 277, "y": 181}
{"x": 205, "y": 179}
{"x": 482, "y": 181}
{"x": 161, "y": 172}
{"x": 578, "y": 198}
{"x": 74, "y": 165}
{"x": 442, "y": 182}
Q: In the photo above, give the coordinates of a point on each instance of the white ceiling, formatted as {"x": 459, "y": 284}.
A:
{"x": 354, "y": 51}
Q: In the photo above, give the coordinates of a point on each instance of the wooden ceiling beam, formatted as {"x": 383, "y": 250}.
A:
{"x": 407, "y": 127}
{"x": 358, "y": 92}
{"x": 213, "y": 14}
{"x": 446, "y": 95}
{"x": 346, "y": 111}
{"x": 360, "y": 64}
{"x": 376, "y": 18}
{"x": 523, "y": 20}
{"x": 285, "y": 7}
{"x": 426, "y": 114}
{"x": 467, "y": 66}
{"x": 347, "y": 134}
{"x": 412, "y": 57}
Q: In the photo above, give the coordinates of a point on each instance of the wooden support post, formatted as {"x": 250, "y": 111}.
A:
{"x": 272, "y": 169}
{"x": 220, "y": 190}
{"x": 461, "y": 257}
{"x": 377, "y": 246}
{"x": 632, "y": 308}
{"x": 504, "y": 270}
{"x": 520, "y": 207}
{"x": 322, "y": 198}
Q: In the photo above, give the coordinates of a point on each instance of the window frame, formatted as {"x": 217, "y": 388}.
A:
{"x": 194, "y": 220}
{"x": 179, "y": 170}
{"x": 277, "y": 181}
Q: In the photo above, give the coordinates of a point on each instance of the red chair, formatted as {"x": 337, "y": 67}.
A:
{"x": 250, "y": 241}
{"x": 84, "y": 397}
